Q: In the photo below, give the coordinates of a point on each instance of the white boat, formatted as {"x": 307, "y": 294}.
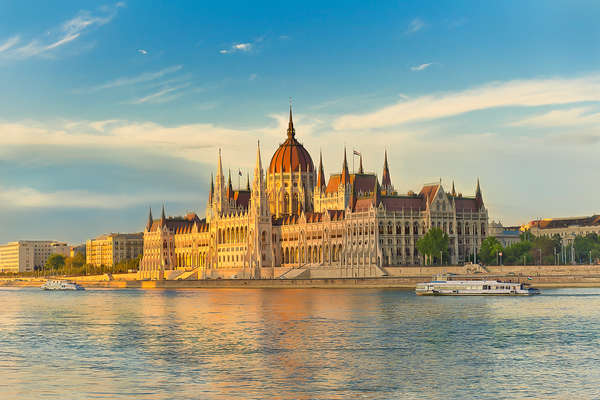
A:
{"x": 441, "y": 286}
{"x": 52, "y": 284}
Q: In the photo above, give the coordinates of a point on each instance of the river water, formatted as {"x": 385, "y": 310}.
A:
{"x": 297, "y": 344}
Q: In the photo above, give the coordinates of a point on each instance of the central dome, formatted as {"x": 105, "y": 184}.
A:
{"x": 291, "y": 155}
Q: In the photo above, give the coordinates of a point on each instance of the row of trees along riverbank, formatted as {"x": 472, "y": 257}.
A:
{"x": 540, "y": 250}
{"x": 58, "y": 264}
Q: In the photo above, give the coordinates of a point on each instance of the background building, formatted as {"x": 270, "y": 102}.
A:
{"x": 79, "y": 249}
{"x": 567, "y": 228}
{"x": 108, "y": 250}
{"x": 506, "y": 235}
{"x": 27, "y": 255}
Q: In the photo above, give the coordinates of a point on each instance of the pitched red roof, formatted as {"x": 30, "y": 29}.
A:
{"x": 429, "y": 192}
{"x": 465, "y": 203}
{"x": 242, "y": 198}
{"x": 399, "y": 203}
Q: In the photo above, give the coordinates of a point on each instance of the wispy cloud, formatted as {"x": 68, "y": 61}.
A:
{"x": 578, "y": 116}
{"x": 415, "y": 25}
{"x": 524, "y": 93}
{"x": 142, "y": 52}
{"x": 420, "y": 67}
{"x": 8, "y": 43}
{"x": 133, "y": 80}
{"x": 163, "y": 95}
{"x": 67, "y": 32}
{"x": 252, "y": 77}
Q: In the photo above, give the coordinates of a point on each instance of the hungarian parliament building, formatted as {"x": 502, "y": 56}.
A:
{"x": 291, "y": 217}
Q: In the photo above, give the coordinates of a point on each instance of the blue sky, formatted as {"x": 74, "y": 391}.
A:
{"x": 106, "y": 108}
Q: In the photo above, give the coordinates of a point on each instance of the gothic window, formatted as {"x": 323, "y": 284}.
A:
{"x": 407, "y": 228}
{"x": 482, "y": 229}
{"x": 389, "y": 230}
{"x": 381, "y": 228}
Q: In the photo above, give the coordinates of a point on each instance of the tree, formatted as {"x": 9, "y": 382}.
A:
{"x": 434, "y": 243}
{"x": 490, "y": 247}
{"x": 55, "y": 262}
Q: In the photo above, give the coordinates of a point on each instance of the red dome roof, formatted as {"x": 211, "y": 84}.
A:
{"x": 291, "y": 154}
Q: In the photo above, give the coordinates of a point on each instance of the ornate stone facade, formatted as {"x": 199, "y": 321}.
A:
{"x": 292, "y": 218}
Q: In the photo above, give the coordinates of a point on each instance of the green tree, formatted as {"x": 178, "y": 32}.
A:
{"x": 433, "y": 244}
{"x": 490, "y": 247}
{"x": 55, "y": 262}
{"x": 518, "y": 253}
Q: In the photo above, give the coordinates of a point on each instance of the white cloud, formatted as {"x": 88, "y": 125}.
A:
{"x": 10, "y": 42}
{"x": 535, "y": 92}
{"x": 252, "y": 77}
{"x": 420, "y": 67}
{"x": 133, "y": 80}
{"x": 27, "y": 197}
{"x": 578, "y": 116}
{"x": 58, "y": 37}
{"x": 415, "y": 25}
{"x": 142, "y": 51}
{"x": 240, "y": 47}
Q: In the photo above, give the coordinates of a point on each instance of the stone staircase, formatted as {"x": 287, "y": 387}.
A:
{"x": 295, "y": 273}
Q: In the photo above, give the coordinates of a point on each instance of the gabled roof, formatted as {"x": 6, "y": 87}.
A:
{"x": 429, "y": 192}
{"x": 360, "y": 182}
{"x": 180, "y": 225}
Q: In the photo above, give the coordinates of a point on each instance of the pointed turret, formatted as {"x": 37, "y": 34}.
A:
{"x": 453, "y": 189}
{"x": 260, "y": 205}
{"x": 229, "y": 186}
{"x": 163, "y": 218}
{"x": 360, "y": 167}
{"x": 248, "y": 181}
{"x": 321, "y": 175}
{"x": 386, "y": 181}
{"x": 345, "y": 180}
{"x": 478, "y": 196}
{"x": 291, "y": 132}
{"x": 150, "y": 221}
{"x": 211, "y": 194}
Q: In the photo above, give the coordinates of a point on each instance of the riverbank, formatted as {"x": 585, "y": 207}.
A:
{"x": 406, "y": 282}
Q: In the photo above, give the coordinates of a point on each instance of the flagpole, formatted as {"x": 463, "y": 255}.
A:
{"x": 353, "y": 160}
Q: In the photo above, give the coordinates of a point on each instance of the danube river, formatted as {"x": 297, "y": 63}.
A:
{"x": 297, "y": 344}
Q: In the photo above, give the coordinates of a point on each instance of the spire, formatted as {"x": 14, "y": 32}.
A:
{"x": 291, "y": 132}
{"x": 212, "y": 189}
{"x": 229, "y": 186}
{"x": 345, "y": 174}
{"x": 478, "y": 196}
{"x": 219, "y": 167}
{"x": 453, "y": 190}
{"x": 386, "y": 181}
{"x": 163, "y": 218}
{"x": 258, "y": 160}
{"x": 321, "y": 176}
{"x": 248, "y": 181}
{"x": 149, "y": 224}
{"x": 360, "y": 167}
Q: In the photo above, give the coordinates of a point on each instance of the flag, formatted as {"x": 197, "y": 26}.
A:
{"x": 356, "y": 153}
{"x": 240, "y": 172}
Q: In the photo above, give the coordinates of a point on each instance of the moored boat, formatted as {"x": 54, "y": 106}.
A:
{"x": 444, "y": 287}
{"x": 56, "y": 284}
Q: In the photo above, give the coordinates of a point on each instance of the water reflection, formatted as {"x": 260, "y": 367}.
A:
{"x": 301, "y": 344}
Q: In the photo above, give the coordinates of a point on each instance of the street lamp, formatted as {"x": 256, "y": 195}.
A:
{"x": 540, "y": 251}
